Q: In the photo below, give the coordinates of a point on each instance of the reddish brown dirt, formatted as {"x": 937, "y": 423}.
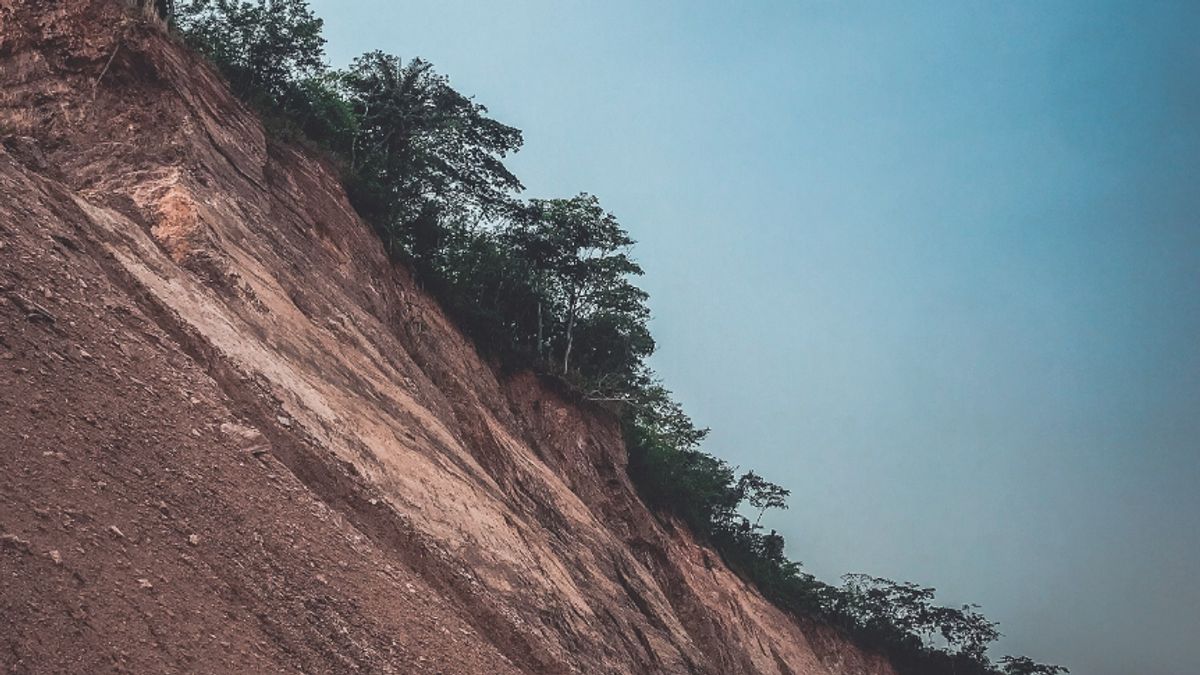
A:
{"x": 236, "y": 439}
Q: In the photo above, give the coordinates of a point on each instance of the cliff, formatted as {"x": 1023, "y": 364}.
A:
{"x": 237, "y": 439}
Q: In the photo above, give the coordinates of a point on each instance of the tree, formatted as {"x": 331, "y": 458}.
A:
{"x": 316, "y": 109}
{"x": 263, "y": 46}
{"x": 612, "y": 341}
{"x": 762, "y": 494}
{"x": 488, "y": 288}
{"x": 889, "y": 609}
{"x": 582, "y": 254}
{"x": 1023, "y": 665}
{"x": 423, "y": 152}
{"x": 965, "y": 630}
{"x": 656, "y": 409}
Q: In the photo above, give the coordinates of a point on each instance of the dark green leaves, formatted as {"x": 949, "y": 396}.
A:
{"x": 1021, "y": 665}
{"x": 426, "y": 148}
{"x": 579, "y": 256}
{"x": 262, "y": 47}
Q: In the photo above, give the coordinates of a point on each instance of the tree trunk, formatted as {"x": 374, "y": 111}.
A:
{"x": 539, "y": 333}
{"x": 570, "y": 342}
{"x": 158, "y": 9}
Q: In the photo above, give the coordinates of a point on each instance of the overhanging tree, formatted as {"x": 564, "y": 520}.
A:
{"x": 582, "y": 255}
{"x": 423, "y": 153}
{"x": 263, "y": 47}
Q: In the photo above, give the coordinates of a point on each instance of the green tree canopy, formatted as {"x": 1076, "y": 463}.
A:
{"x": 761, "y": 493}
{"x": 424, "y": 152}
{"x": 581, "y": 257}
{"x": 262, "y": 47}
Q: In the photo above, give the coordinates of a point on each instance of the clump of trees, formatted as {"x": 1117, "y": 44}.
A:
{"x": 548, "y": 284}
{"x": 900, "y": 619}
{"x": 422, "y": 154}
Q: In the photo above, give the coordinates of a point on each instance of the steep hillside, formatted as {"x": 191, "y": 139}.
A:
{"x": 235, "y": 438}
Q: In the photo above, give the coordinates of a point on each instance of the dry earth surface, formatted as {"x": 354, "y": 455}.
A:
{"x": 234, "y": 438}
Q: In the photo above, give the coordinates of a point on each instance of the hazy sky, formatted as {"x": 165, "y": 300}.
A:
{"x": 933, "y": 266}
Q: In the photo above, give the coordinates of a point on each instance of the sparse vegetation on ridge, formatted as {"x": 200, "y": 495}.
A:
{"x": 548, "y": 284}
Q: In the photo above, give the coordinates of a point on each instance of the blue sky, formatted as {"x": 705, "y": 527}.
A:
{"x": 933, "y": 266}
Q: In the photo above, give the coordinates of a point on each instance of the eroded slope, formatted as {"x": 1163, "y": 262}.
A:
{"x": 252, "y": 443}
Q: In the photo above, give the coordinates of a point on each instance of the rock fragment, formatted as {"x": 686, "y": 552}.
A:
{"x": 14, "y": 542}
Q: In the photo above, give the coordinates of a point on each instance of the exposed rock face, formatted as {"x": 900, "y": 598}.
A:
{"x": 235, "y": 438}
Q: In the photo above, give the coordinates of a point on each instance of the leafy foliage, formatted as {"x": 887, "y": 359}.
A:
{"x": 548, "y": 284}
{"x": 423, "y": 153}
{"x": 264, "y": 48}
{"x": 579, "y": 257}
{"x": 1023, "y": 665}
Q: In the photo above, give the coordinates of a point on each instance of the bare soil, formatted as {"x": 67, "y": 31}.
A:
{"x": 235, "y": 438}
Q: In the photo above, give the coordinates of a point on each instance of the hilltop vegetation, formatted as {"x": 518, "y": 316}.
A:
{"x": 547, "y": 284}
